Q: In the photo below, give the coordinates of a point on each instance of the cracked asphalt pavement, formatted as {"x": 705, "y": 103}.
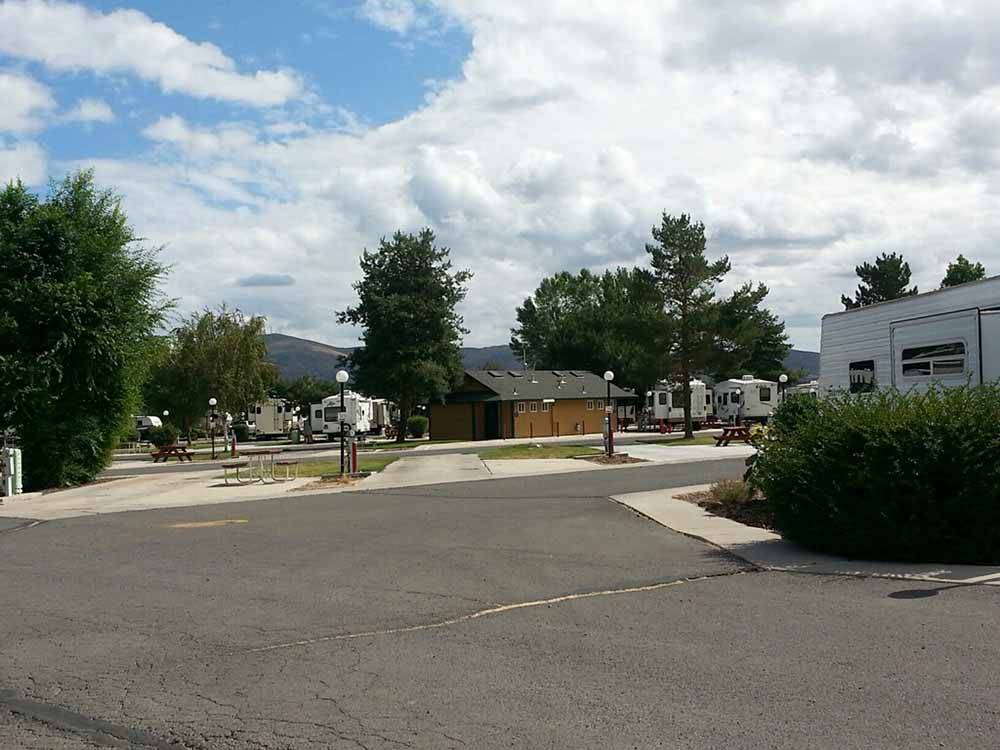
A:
{"x": 529, "y": 612}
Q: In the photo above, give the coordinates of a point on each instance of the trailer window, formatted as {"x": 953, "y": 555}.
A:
{"x": 861, "y": 376}
{"x": 330, "y": 413}
{"x": 677, "y": 400}
{"x": 725, "y": 399}
{"x": 938, "y": 359}
{"x": 319, "y": 414}
{"x": 765, "y": 393}
{"x": 708, "y": 399}
{"x": 735, "y": 397}
{"x": 663, "y": 398}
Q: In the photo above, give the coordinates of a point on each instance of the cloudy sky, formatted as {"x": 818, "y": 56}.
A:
{"x": 265, "y": 144}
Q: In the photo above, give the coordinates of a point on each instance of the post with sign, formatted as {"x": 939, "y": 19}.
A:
{"x": 342, "y": 378}
{"x": 609, "y": 409}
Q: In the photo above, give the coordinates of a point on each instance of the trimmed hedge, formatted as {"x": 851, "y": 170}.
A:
{"x": 416, "y": 426}
{"x": 886, "y": 475}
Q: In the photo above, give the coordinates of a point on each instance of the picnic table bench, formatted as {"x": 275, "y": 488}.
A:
{"x": 738, "y": 432}
{"x": 177, "y": 451}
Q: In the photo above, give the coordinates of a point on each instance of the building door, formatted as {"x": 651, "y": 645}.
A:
{"x": 492, "y": 420}
{"x": 989, "y": 334}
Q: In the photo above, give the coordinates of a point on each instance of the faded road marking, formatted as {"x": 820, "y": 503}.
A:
{"x": 208, "y": 524}
{"x": 499, "y": 610}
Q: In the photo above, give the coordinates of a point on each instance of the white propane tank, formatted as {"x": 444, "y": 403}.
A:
{"x": 11, "y": 472}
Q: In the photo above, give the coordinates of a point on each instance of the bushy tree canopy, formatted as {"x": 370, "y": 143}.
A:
{"x": 962, "y": 271}
{"x": 596, "y": 322}
{"x": 411, "y": 332}
{"x": 79, "y": 302}
{"x": 750, "y": 338}
{"x": 886, "y": 279}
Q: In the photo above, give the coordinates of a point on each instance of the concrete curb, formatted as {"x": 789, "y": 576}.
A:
{"x": 767, "y": 550}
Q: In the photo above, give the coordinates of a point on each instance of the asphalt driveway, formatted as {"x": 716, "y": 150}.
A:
{"x": 511, "y": 613}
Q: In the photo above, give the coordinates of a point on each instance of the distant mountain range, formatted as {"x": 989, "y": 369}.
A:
{"x": 296, "y": 357}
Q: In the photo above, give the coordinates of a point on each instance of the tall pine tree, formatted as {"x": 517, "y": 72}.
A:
{"x": 886, "y": 279}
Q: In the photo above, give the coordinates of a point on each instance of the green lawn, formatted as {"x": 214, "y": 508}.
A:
{"x": 373, "y": 464}
{"x": 696, "y": 440}
{"x": 538, "y": 451}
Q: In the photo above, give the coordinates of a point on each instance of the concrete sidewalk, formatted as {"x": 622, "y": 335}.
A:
{"x": 770, "y": 551}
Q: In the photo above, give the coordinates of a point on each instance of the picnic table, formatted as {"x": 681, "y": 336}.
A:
{"x": 177, "y": 451}
{"x": 737, "y": 432}
{"x": 265, "y": 470}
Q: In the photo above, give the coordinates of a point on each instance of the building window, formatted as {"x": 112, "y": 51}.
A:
{"x": 590, "y": 406}
{"x": 600, "y": 403}
{"x": 677, "y": 400}
{"x": 939, "y": 359}
{"x": 534, "y": 406}
{"x": 765, "y": 393}
{"x": 663, "y": 398}
{"x": 861, "y": 376}
{"x": 520, "y": 407}
{"x": 545, "y": 406}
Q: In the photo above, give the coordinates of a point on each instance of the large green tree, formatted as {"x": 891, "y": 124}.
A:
{"x": 596, "y": 322}
{"x": 749, "y": 337}
{"x": 411, "y": 332}
{"x": 79, "y": 302}
{"x": 213, "y": 354}
{"x": 886, "y": 279}
{"x": 962, "y": 271}
{"x": 687, "y": 281}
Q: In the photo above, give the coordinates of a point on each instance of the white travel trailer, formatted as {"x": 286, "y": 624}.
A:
{"x": 747, "y": 399}
{"x": 382, "y": 412}
{"x": 950, "y": 337}
{"x": 357, "y": 414}
{"x": 804, "y": 389}
{"x": 142, "y": 424}
{"x": 271, "y": 417}
{"x": 665, "y": 405}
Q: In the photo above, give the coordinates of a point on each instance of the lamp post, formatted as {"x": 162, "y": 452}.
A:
{"x": 211, "y": 415}
{"x": 608, "y": 377}
{"x": 782, "y": 385}
{"x": 342, "y": 378}
{"x": 166, "y": 413}
{"x": 739, "y": 406}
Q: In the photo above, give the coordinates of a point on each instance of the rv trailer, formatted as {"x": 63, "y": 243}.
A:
{"x": 270, "y": 418}
{"x": 665, "y": 406}
{"x": 746, "y": 399}
{"x": 949, "y": 337}
{"x": 357, "y": 414}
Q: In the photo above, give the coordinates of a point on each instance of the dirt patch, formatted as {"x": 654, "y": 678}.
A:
{"x": 618, "y": 458}
{"x": 332, "y": 481}
{"x": 753, "y": 512}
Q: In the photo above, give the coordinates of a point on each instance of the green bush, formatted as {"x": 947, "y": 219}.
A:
{"x": 731, "y": 492}
{"x": 888, "y": 475}
{"x": 416, "y": 426}
{"x": 162, "y": 436}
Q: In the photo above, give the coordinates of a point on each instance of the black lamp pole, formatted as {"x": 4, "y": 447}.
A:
{"x": 342, "y": 410}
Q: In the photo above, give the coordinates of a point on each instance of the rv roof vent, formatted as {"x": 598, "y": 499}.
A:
{"x": 495, "y": 373}
{"x": 748, "y": 377}
{"x": 515, "y": 374}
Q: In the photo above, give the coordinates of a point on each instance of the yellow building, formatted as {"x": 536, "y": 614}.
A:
{"x": 494, "y": 404}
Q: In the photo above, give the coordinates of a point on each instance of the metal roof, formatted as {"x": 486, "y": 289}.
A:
{"x": 534, "y": 385}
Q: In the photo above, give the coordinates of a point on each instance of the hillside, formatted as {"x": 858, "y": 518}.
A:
{"x": 296, "y": 357}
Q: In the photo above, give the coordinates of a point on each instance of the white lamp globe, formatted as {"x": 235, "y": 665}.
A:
{"x": 609, "y": 376}
{"x": 343, "y": 376}
{"x": 782, "y": 378}
{"x": 213, "y": 401}
{"x": 166, "y": 412}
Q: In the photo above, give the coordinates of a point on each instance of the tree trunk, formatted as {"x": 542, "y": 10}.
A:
{"x": 405, "y": 410}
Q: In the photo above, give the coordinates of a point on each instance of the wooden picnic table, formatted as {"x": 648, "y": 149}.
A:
{"x": 737, "y": 432}
{"x": 260, "y": 454}
{"x": 177, "y": 451}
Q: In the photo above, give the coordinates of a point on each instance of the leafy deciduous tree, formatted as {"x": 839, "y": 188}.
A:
{"x": 411, "y": 331}
{"x": 962, "y": 271}
{"x": 750, "y": 338}
{"x": 886, "y": 279}
{"x": 79, "y": 302}
{"x": 687, "y": 281}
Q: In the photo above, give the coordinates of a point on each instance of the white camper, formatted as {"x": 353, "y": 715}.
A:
{"x": 271, "y": 417}
{"x": 382, "y": 412}
{"x": 665, "y": 405}
{"x": 804, "y": 389}
{"x": 950, "y": 337}
{"x": 143, "y": 424}
{"x": 357, "y": 412}
{"x": 747, "y": 399}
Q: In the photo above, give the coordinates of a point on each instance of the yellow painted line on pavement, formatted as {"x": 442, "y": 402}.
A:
{"x": 208, "y": 524}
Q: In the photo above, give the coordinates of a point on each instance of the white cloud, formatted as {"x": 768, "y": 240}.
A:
{"x": 400, "y": 16}
{"x": 69, "y": 37}
{"x": 23, "y": 161}
{"x": 90, "y": 110}
{"x": 27, "y": 104}
{"x": 574, "y": 125}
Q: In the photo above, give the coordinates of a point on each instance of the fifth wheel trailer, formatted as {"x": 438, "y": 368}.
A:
{"x": 949, "y": 337}
{"x": 665, "y": 405}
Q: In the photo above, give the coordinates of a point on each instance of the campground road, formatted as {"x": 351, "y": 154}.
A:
{"x": 528, "y": 612}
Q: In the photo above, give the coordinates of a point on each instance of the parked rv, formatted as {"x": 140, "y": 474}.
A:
{"x": 746, "y": 399}
{"x": 665, "y": 406}
{"x": 949, "y": 337}
{"x": 270, "y": 418}
{"x": 143, "y": 424}
{"x": 803, "y": 389}
{"x": 357, "y": 414}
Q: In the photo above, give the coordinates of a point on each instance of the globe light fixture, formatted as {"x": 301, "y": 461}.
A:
{"x": 343, "y": 376}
